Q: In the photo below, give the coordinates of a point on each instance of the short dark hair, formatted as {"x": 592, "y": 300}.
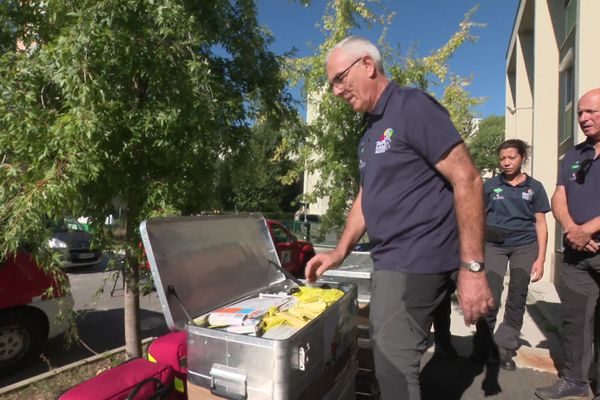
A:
{"x": 521, "y": 146}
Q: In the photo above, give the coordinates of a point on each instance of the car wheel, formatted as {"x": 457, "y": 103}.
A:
{"x": 20, "y": 340}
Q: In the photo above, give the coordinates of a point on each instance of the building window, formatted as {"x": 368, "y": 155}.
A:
{"x": 570, "y": 16}
{"x": 567, "y": 100}
{"x": 567, "y": 104}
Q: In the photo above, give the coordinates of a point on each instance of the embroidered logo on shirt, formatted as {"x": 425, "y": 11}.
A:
{"x": 576, "y": 166}
{"x": 384, "y": 142}
{"x": 498, "y": 195}
{"x": 528, "y": 195}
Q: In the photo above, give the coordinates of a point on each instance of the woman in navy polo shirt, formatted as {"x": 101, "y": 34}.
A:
{"x": 516, "y": 234}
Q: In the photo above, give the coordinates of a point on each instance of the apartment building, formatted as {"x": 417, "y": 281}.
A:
{"x": 552, "y": 59}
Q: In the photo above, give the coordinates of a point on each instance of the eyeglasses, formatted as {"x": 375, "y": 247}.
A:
{"x": 338, "y": 79}
{"x": 583, "y": 170}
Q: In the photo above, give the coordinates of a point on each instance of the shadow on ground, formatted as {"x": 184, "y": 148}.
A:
{"x": 546, "y": 315}
{"x": 448, "y": 378}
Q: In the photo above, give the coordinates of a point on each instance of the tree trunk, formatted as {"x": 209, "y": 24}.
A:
{"x": 131, "y": 297}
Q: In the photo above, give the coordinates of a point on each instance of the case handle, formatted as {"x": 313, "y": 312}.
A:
{"x": 303, "y": 357}
{"x": 228, "y": 382}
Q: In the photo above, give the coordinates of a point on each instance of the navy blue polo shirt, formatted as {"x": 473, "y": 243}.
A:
{"x": 513, "y": 208}
{"x": 407, "y": 204}
{"x": 583, "y": 196}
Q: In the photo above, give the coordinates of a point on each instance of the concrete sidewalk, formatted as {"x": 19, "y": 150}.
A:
{"x": 540, "y": 345}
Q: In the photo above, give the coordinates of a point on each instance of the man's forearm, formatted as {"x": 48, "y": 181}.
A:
{"x": 354, "y": 229}
{"x": 592, "y": 226}
{"x": 560, "y": 210}
{"x": 458, "y": 168}
{"x": 474, "y": 292}
{"x": 578, "y": 237}
{"x": 468, "y": 200}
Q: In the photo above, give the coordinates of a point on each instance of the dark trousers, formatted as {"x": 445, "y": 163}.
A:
{"x": 520, "y": 260}
{"x": 402, "y": 310}
{"x": 578, "y": 290}
{"x": 441, "y": 323}
{"x": 596, "y": 375}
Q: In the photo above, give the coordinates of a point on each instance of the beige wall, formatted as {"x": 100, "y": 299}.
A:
{"x": 545, "y": 119}
{"x": 587, "y": 62}
{"x": 523, "y": 115}
{"x": 533, "y": 91}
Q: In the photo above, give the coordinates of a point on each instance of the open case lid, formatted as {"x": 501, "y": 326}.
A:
{"x": 209, "y": 261}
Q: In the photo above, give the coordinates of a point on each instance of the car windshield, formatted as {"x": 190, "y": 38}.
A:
{"x": 279, "y": 234}
{"x": 66, "y": 225}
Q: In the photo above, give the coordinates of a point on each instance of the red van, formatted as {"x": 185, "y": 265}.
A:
{"x": 28, "y": 314}
{"x": 293, "y": 253}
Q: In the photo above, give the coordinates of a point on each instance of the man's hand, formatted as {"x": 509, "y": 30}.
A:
{"x": 320, "y": 263}
{"x": 537, "y": 270}
{"x": 577, "y": 237}
{"x": 474, "y": 295}
{"x": 592, "y": 246}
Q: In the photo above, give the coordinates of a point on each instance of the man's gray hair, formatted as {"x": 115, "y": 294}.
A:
{"x": 358, "y": 47}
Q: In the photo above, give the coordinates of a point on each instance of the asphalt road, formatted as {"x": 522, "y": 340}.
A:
{"x": 456, "y": 379}
{"x": 100, "y": 322}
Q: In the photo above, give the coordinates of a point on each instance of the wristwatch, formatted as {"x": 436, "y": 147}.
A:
{"x": 473, "y": 266}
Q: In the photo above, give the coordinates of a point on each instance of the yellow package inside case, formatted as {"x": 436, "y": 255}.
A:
{"x": 310, "y": 302}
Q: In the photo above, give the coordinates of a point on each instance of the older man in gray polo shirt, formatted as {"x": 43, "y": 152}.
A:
{"x": 419, "y": 193}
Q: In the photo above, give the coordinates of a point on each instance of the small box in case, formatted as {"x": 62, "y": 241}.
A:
{"x": 200, "y": 264}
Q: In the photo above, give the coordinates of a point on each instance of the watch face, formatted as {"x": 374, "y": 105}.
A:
{"x": 473, "y": 266}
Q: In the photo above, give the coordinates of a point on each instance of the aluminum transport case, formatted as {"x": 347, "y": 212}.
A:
{"x": 202, "y": 263}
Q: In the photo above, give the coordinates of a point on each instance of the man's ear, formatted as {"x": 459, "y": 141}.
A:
{"x": 371, "y": 67}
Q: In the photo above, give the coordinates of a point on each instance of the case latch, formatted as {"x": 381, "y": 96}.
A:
{"x": 303, "y": 356}
{"x": 228, "y": 382}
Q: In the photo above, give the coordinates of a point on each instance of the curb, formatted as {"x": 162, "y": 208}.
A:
{"x": 536, "y": 359}
{"x": 56, "y": 371}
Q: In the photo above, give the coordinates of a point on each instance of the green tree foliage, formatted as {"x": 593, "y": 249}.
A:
{"x": 459, "y": 104}
{"x": 252, "y": 180}
{"x": 133, "y": 102}
{"x": 329, "y": 143}
{"x": 484, "y": 144}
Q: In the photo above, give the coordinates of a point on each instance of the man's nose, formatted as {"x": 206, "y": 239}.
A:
{"x": 337, "y": 91}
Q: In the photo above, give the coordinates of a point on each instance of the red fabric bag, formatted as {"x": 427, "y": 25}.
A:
{"x": 135, "y": 379}
{"x": 171, "y": 349}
